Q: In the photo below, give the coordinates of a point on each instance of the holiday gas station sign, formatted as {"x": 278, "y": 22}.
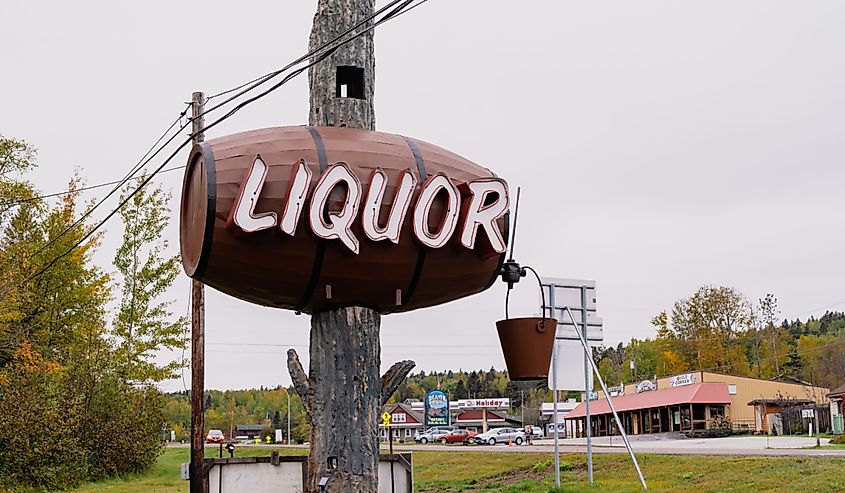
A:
{"x": 311, "y": 218}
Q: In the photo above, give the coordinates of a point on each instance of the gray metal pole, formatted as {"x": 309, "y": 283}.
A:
{"x": 554, "y": 384}
{"x": 587, "y": 358}
{"x": 583, "y": 340}
{"x": 288, "y": 393}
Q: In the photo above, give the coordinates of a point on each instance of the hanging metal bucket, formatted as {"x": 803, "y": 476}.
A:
{"x": 527, "y": 344}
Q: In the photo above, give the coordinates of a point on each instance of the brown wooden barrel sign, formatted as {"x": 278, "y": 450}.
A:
{"x": 312, "y": 218}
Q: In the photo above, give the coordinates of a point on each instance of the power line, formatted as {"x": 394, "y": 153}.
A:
{"x": 126, "y": 177}
{"x": 254, "y": 83}
{"x": 81, "y": 189}
{"x": 271, "y": 75}
{"x": 383, "y": 345}
{"x": 262, "y": 80}
{"x": 233, "y": 111}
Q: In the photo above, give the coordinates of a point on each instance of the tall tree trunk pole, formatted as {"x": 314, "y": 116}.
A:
{"x": 343, "y": 392}
{"x": 199, "y": 483}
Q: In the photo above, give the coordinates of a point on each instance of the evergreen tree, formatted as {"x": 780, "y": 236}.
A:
{"x": 473, "y": 385}
{"x": 461, "y": 390}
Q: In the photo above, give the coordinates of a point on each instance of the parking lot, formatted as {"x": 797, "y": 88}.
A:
{"x": 656, "y": 444}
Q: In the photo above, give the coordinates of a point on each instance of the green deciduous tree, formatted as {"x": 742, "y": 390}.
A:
{"x": 705, "y": 329}
{"x": 144, "y": 323}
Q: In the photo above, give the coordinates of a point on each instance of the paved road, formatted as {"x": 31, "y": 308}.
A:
{"x": 662, "y": 444}
{"x": 578, "y": 449}
{"x": 653, "y": 444}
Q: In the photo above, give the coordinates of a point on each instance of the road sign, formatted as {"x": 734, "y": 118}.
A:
{"x": 567, "y": 293}
{"x": 806, "y": 413}
{"x": 561, "y": 294}
{"x": 385, "y": 418}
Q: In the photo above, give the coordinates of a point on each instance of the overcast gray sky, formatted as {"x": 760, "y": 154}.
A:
{"x": 661, "y": 145}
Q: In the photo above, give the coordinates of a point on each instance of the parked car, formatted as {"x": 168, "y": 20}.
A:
{"x": 432, "y": 434}
{"x": 457, "y": 436}
{"x": 214, "y": 436}
{"x": 500, "y": 435}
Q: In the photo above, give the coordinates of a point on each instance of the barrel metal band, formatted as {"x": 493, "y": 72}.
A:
{"x": 320, "y": 254}
{"x": 207, "y": 155}
{"x": 417, "y": 157}
{"x": 415, "y": 278}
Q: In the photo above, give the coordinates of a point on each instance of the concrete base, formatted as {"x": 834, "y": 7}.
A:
{"x": 276, "y": 473}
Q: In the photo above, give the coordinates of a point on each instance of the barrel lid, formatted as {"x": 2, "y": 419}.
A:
{"x": 196, "y": 209}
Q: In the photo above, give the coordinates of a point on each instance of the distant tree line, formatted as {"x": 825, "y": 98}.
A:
{"x": 226, "y": 409}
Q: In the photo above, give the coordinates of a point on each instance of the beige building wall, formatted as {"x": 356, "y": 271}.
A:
{"x": 747, "y": 389}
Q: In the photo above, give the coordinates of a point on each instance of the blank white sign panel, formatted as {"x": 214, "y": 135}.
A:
{"x": 570, "y": 366}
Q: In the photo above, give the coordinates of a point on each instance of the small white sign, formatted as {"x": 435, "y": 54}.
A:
{"x": 279, "y": 437}
{"x": 807, "y": 413}
{"x": 616, "y": 391}
{"x": 646, "y": 386}
{"x": 594, "y": 395}
{"x": 680, "y": 380}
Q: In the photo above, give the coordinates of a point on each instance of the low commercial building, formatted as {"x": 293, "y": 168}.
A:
{"x": 404, "y": 422}
{"x": 476, "y": 415}
{"x": 693, "y": 401}
{"x": 548, "y": 419}
{"x": 479, "y": 420}
{"x": 248, "y": 431}
{"x": 836, "y": 395}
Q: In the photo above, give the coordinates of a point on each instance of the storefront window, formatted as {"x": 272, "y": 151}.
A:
{"x": 686, "y": 422}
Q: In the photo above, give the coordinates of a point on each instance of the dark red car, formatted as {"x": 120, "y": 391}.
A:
{"x": 457, "y": 436}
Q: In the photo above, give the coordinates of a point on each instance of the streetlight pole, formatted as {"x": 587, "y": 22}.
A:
{"x": 288, "y": 394}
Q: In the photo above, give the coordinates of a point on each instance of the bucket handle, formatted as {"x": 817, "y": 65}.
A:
{"x": 540, "y": 328}
{"x": 541, "y": 325}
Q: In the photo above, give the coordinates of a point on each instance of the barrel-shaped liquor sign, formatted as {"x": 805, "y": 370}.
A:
{"x": 313, "y": 218}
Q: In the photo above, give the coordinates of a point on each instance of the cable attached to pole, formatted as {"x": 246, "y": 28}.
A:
{"x": 233, "y": 111}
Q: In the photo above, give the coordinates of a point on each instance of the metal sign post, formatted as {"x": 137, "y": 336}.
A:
{"x": 609, "y": 401}
{"x": 575, "y": 294}
{"x": 386, "y": 418}
{"x": 554, "y": 393}
{"x": 589, "y": 389}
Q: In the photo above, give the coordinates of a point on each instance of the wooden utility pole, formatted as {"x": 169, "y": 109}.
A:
{"x": 199, "y": 483}
{"x": 343, "y": 393}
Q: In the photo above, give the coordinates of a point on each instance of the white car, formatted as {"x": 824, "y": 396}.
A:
{"x": 432, "y": 434}
{"x": 501, "y": 435}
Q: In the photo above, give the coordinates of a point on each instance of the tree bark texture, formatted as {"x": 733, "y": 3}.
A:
{"x": 343, "y": 392}
{"x": 334, "y": 17}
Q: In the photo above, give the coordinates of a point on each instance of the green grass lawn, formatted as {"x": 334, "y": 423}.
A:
{"x": 533, "y": 473}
